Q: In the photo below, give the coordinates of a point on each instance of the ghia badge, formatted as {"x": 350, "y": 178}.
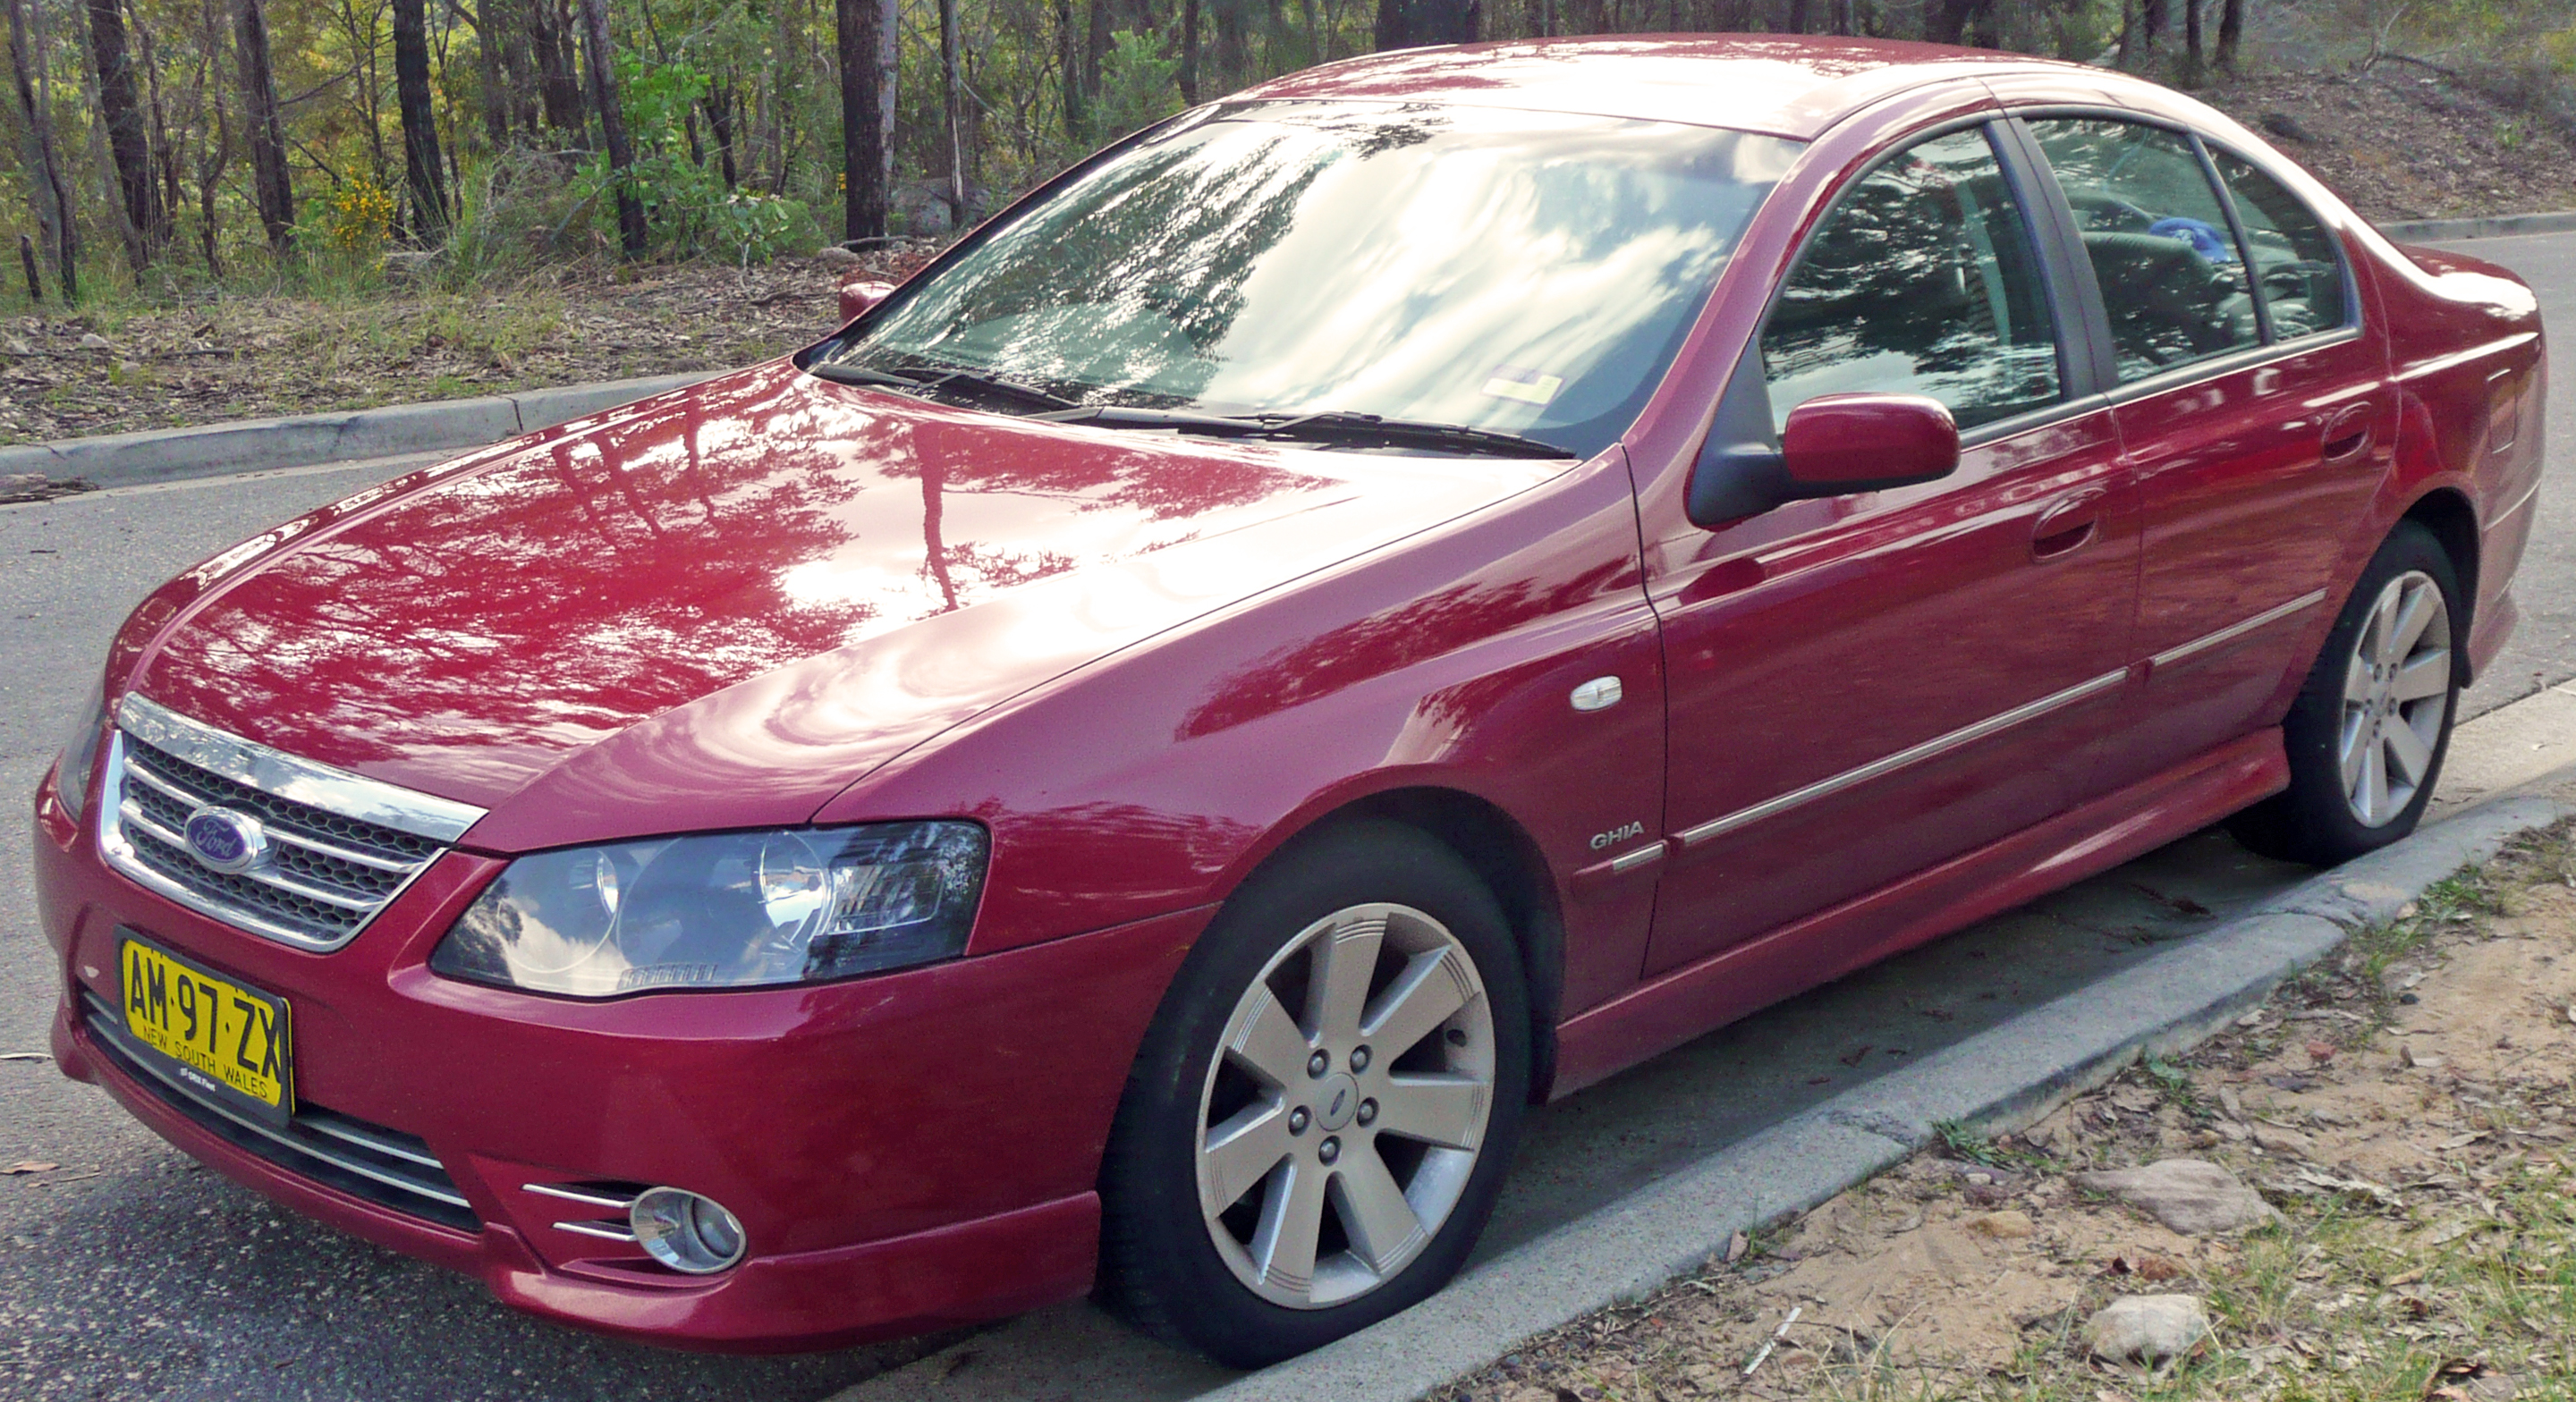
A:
{"x": 229, "y": 842}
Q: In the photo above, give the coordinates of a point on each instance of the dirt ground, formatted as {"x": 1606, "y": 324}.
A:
{"x": 122, "y": 367}
{"x": 2407, "y": 1108}
{"x": 2403, "y": 142}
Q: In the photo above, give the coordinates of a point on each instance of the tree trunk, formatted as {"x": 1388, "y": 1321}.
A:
{"x": 1189, "y": 74}
{"x": 889, "y": 68}
{"x": 719, "y": 105}
{"x": 2191, "y": 37}
{"x": 57, "y": 218}
{"x": 631, "y": 233}
{"x": 1844, "y": 19}
{"x": 2231, "y": 27}
{"x": 492, "y": 74}
{"x": 120, "y": 110}
{"x": 1095, "y": 52}
{"x": 952, "y": 98}
{"x": 1408, "y": 24}
{"x": 272, "y": 188}
{"x": 424, "y": 170}
{"x": 1068, "y": 45}
{"x": 863, "y": 134}
{"x": 560, "y": 91}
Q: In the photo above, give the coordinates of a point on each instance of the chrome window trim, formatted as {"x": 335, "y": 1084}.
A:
{"x": 1879, "y": 768}
{"x": 303, "y": 781}
{"x": 2248, "y": 358}
{"x": 2233, "y": 631}
{"x": 121, "y": 857}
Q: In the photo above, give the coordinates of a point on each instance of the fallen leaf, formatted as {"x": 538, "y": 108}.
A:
{"x": 1736, "y": 1246}
{"x": 1855, "y": 1058}
{"x": 2404, "y": 1278}
{"x": 30, "y": 1166}
{"x": 2321, "y": 1052}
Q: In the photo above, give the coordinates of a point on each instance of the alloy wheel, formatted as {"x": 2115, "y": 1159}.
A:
{"x": 2396, "y": 695}
{"x": 1343, "y": 1113}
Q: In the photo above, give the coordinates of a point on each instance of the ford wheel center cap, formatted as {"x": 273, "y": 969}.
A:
{"x": 229, "y": 842}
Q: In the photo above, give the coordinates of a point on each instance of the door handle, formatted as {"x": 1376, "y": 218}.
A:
{"x": 2347, "y": 432}
{"x": 2068, "y": 525}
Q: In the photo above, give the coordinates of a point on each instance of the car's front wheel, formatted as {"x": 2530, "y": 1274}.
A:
{"x": 2367, "y": 735}
{"x": 1321, "y": 1115}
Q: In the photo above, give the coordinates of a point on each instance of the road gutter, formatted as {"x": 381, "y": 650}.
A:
{"x": 2003, "y": 1079}
{"x": 248, "y": 445}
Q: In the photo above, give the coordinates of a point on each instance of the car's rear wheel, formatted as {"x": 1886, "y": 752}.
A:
{"x": 1323, "y": 1111}
{"x": 2368, "y": 733}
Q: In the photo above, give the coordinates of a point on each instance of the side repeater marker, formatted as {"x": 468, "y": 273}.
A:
{"x": 1598, "y": 694}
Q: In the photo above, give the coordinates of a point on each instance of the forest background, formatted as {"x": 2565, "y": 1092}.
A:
{"x": 163, "y": 157}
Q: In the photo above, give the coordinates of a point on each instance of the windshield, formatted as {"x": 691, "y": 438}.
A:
{"x": 1530, "y": 273}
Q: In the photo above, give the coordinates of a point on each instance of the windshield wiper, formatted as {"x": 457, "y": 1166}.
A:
{"x": 1335, "y": 426}
{"x": 940, "y": 377}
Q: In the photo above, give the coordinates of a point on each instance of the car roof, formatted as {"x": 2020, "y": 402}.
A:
{"x": 1784, "y": 85}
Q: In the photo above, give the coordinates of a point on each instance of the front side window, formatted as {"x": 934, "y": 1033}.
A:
{"x": 1922, "y": 281}
{"x": 2302, "y": 280}
{"x": 1524, "y": 272}
{"x": 2172, "y": 279}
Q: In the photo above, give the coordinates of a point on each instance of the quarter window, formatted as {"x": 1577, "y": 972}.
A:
{"x": 1922, "y": 281}
{"x": 2172, "y": 278}
{"x": 2302, "y": 280}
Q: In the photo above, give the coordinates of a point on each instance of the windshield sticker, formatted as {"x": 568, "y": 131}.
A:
{"x": 1527, "y": 386}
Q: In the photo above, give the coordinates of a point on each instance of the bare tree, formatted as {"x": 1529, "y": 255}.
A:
{"x": 146, "y": 225}
{"x": 48, "y": 193}
{"x": 863, "y": 130}
{"x": 1406, "y": 24}
{"x": 631, "y": 233}
{"x": 272, "y": 187}
{"x": 2231, "y": 28}
{"x": 423, "y": 169}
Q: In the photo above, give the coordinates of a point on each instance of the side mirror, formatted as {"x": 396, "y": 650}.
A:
{"x": 1842, "y": 443}
{"x": 858, "y": 297}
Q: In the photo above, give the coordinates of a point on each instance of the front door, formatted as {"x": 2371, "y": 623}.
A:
{"x": 1862, "y": 686}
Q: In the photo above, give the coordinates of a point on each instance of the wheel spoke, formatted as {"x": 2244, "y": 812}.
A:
{"x": 1379, "y": 1222}
{"x": 1445, "y": 1110}
{"x": 2427, "y": 674}
{"x": 1292, "y": 1221}
{"x": 2356, "y": 680}
{"x": 2383, "y": 618}
{"x": 2374, "y": 779}
{"x": 1240, "y": 1153}
{"x": 2416, "y": 607}
{"x": 1422, "y": 997}
{"x": 1266, "y": 1041}
{"x": 1345, "y": 961}
{"x": 2408, "y": 755}
{"x": 2354, "y": 751}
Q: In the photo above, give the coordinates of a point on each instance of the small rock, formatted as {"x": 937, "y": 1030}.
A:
{"x": 2007, "y": 1225}
{"x": 14, "y": 346}
{"x": 2189, "y": 1196}
{"x": 2321, "y": 1052}
{"x": 2283, "y": 124}
{"x": 836, "y": 258}
{"x": 2148, "y": 1328}
{"x": 2279, "y": 1140}
{"x": 91, "y": 340}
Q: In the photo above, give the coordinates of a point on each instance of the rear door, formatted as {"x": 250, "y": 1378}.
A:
{"x": 1862, "y": 686}
{"x": 2255, "y": 412}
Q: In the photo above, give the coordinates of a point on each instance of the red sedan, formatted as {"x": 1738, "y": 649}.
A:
{"x": 1372, "y": 604}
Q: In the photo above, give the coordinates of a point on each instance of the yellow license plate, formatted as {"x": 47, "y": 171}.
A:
{"x": 228, "y": 1040}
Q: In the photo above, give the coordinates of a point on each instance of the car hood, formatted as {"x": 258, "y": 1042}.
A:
{"x": 723, "y": 606}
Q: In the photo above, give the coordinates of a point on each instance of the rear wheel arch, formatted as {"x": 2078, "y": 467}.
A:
{"x": 2446, "y": 512}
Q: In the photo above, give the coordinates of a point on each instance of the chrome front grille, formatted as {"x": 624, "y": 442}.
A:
{"x": 336, "y": 847}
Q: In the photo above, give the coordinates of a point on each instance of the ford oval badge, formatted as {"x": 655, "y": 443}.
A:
{"x": 227, "y": 841}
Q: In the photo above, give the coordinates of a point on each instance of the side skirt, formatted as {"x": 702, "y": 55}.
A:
{"x": 1697, "y": 998}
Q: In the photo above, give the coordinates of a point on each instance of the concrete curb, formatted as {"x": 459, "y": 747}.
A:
{"x": 2001, "y": 1079}
{"x": 249, "y": 445}
{"x": 2492, "y": 226}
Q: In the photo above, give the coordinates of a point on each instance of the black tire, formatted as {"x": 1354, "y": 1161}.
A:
{"x": 1162, "y": 1267}
{"x": 2314, "y": 821}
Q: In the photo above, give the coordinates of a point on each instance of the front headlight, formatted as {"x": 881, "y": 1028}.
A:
{"x": 726, "y": 910}
{"x": 79, "y": 753}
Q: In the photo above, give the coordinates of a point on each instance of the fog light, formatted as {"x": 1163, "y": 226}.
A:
{"x": 685, "y": 1231}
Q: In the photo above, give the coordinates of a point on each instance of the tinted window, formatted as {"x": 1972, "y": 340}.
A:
{"x": 1923, "y": 281}
{"x": 2171, "y": 276}
{"x": 1526, "y": 271}
{"x": 2294, "y": 257}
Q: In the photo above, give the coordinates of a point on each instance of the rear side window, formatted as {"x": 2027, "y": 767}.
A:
{"x": 2172, "y": 278}
{"x": 1922, "y": 281}
{"x": 2302, "y": 280}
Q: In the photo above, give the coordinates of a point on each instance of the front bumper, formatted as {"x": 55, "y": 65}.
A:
{"x": 906, "y": 1152}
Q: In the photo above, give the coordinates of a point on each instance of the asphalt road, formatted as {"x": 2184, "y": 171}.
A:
{"x": 128, "y": 1272}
